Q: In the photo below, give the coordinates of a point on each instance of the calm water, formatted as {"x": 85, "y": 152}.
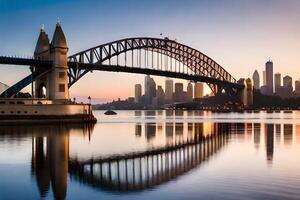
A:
{"x": 155, "y": 155}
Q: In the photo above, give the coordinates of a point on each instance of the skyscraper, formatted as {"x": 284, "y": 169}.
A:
{"x": 249, "y": 92}
{"x": 169, "y": 90}
{"x": 297, "y": 89}
{"x": 189, "y": 92}
{"x": 160, "y": 95}
{"x": 288, "y": 82}
{"x": 198, "y": 90}
{"x": 264, "y": 78}
{"x": 178, "y": 95}
{"x": 277, "y": 82}
{"x": 150, "y": 89}
{"x": 256, "y": 81}
{"x": 286, "y": 90}
{"x": 137, "y": 93}
{"x": 269, "y": 77}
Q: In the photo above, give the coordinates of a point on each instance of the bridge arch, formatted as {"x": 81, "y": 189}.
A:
{"x": 194, "y": 63}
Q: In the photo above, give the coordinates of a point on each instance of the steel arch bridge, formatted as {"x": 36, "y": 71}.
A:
{"x": 143, "y": 55}
{"x": 153, "y": 56}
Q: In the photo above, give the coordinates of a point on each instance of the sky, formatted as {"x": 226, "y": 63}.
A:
{"x": 241, "y": 35}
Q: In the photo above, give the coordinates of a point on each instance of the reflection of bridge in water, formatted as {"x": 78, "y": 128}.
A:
{"x": 146, "y": 169}
{"x": 137, "y": 171}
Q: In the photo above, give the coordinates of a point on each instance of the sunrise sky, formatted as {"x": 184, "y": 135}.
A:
{"x": 241, "y": 35}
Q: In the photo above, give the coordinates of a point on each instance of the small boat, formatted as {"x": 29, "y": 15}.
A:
{"x": 110, "y": 112}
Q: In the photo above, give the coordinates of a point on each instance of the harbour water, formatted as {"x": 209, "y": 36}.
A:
{"x": 155, "y": 155}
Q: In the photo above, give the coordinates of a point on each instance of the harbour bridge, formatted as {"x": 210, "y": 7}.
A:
{"x": 138, "y": 55}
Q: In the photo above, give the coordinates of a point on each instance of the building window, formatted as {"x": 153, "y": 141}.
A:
{"x": 61, "y": 87}
{"x": 61, "y": 74}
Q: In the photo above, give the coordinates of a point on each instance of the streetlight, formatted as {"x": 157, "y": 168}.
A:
{"x": 32, "y": 69}
{"x": 89, "y": 98}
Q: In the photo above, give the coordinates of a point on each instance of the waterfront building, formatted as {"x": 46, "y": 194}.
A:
{"x": 277, "y": 81}
{"x": 137, "y": 93}
{"x": 169, "y": 90}
{"x": 264, "y": 78}
{"x": 256, "y": 81}
{"x": 178, "y": 95}
{"x": 189, "y": 92}
{"x": 198, "y": 90}
{"x": 269, "y": 77}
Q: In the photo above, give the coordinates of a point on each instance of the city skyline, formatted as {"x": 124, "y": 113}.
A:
{"x": 276, "y": 83}
{"x": 235, "y": 43}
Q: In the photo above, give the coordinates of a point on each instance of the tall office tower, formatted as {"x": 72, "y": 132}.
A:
{"x": 277, "y": 82}
{"x": 169, "y": 90}
{"x": 288, "y": 82}
{"x": 264, "y": 78}
{"x": 269, "y": 77}
{"x": 198, "y": 90}
{"x": 150, "y": 89}
{"x": 189, "y": 92}
{"x": 178, "y": 95}
{"x": 137, "y": 93}
{"x": 160, "y": 94}
{"x": 249, "y": 92}
{"x": 256, "y": 81}
{"x": 297, "y": 89}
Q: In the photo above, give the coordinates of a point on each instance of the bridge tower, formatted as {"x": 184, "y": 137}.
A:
{"x": 42, "y": 52}
{"x": 59, "y": 89}
{"x": 54, "y": 84}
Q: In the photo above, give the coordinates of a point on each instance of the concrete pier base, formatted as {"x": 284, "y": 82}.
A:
{"x": 18, "y": 111}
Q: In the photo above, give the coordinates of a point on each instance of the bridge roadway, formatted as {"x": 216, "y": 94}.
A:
{"x": 45, "y": 67}
{"x": 138, "y": 171}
